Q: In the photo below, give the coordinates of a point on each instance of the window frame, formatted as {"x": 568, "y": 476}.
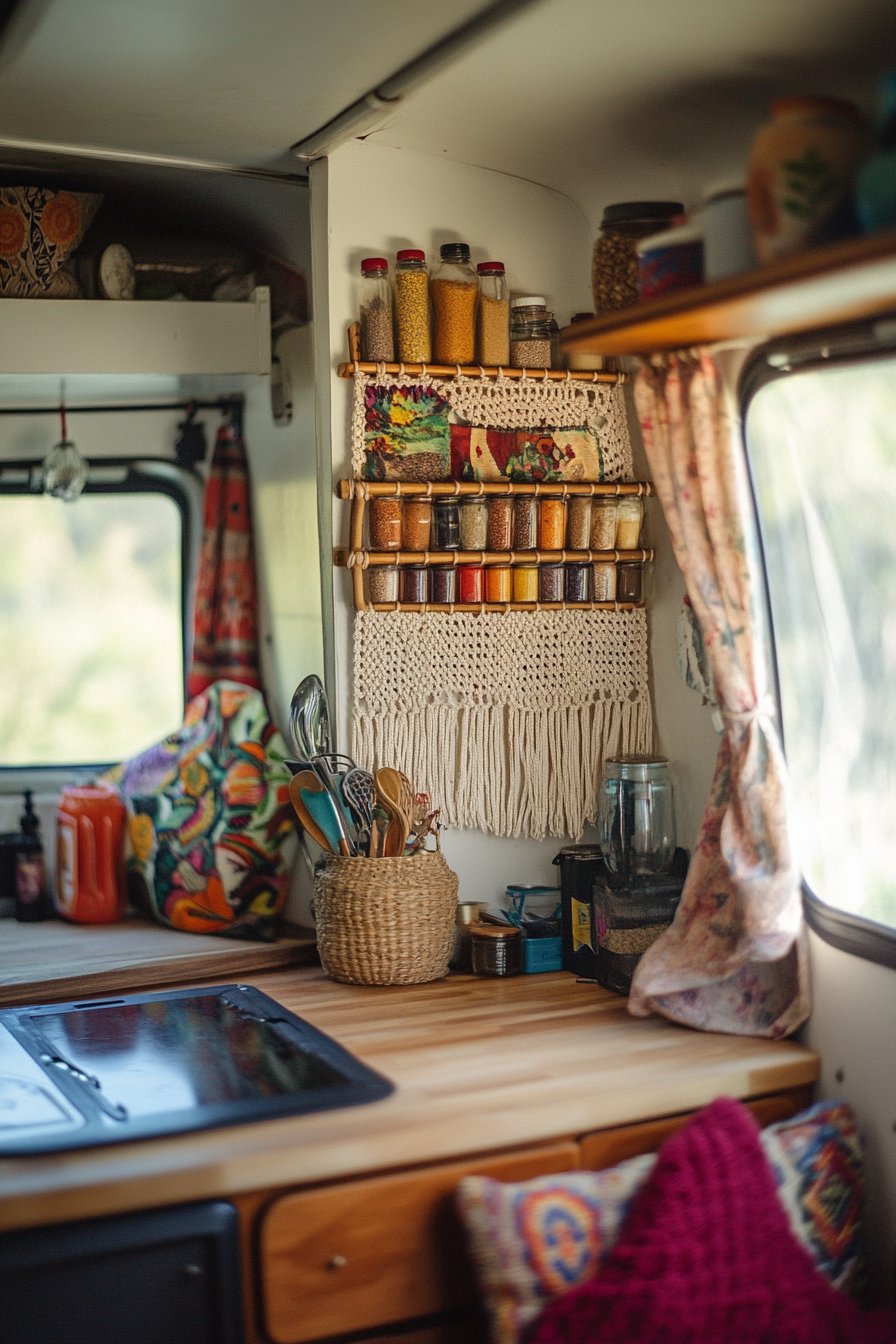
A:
{"x": 850, "y": 343}
{"x": 143, "y": 475}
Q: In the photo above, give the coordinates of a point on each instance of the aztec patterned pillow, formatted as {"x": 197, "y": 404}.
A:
{"x": 534, "y": 1240}
{"x": 39, "y": 230}
{"x": 208, "y": 812}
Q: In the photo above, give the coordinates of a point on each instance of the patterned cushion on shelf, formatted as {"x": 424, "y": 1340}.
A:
{"x": 535, "y": 1240}
{"x": 406, "y": 434}
{"x": 39, "y": 230}
{"x": 571, "y": 454}
{"x": 208, "y": 814}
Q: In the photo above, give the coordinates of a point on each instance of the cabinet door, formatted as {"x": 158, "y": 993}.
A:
{"x": 367, "y": 1253}
{"x": 606, "y": 1147}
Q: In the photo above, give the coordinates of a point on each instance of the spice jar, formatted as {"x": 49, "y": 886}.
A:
{"x": 494, "y": 314}
{"x": 496, "y": 950}
{"x": 413, "y": 583}
{"x": 499, "y": 536}
{"x": 603, "y": 523}
{"x": 473, "y": 523}
{"x": 604, "y": 582}
{"x": 577, "y": 583}
{"x": 552, "y": 523}
{"x": 530, "y": 334}
{"x": 628, "y": 522}
{"x": 377, "y": 344}
{"x": 628, "y": 581}
{"x": 442, "y": 584}
{"x": 385, "y": 524}
{"x": 469, "y": 583}
{"x": 455, "y": 288}
{"x": 578, "y": 522}
{"x": 412, "y": 307}
{"x": 550, "y": 583}
{"x": 525, "y": 583}
{"x": 525, "y": 523}
{"x": 614, "y": 274}
{"x": 382, "y": 583}
{"x": 445, "y": 525}
{"x": 417, "y": 524}
{"x": 498, "y": 583}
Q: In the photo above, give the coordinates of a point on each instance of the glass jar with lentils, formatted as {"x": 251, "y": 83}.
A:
{"x": 377, "y": 344}
{"x": 614, "y": 273}
{"x": 412, "y": 307}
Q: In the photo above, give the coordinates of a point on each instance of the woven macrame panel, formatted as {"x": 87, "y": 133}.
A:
{"x": 505, "y": 403}
{"x": 504, "y": 718}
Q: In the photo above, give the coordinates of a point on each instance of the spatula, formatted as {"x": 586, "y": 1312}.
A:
{"x": 317, "y": 811}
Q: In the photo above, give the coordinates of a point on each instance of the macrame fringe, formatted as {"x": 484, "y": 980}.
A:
{"x": 505, "y": 770}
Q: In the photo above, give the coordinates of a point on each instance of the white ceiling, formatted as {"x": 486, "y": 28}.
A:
{"x": 600, "y": 99}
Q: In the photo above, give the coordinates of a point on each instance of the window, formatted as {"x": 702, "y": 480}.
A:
{"x": 92, "y": 613}
{"x": 821, "y": 440}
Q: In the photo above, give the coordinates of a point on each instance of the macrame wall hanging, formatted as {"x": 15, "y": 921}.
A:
{"x": 507, "y": 711}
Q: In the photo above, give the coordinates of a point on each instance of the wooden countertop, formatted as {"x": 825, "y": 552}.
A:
{"x": 480, "y": 1065}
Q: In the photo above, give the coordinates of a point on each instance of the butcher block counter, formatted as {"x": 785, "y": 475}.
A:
{"x": 343, "y": 1212}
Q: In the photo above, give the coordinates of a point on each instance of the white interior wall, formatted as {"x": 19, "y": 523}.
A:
{"x": 369, "y": 199}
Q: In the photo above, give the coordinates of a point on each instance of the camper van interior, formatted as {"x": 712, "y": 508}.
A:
{"x": 369, "y": 604}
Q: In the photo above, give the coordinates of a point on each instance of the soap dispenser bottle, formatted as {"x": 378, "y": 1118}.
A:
{"x": 30, "y": 870}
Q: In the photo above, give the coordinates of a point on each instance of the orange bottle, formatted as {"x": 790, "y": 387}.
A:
{"x": 90, "y": 887}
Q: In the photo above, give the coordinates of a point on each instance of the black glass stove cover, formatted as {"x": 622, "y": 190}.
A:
{"x": 74, "y": 1075}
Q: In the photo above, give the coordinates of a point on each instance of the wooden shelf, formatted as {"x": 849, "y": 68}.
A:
{"x": 841, "y": 283}
{"x": 357, "y": 490}
{"x": 137, "y": 336}
{"x": 366, "y": 559}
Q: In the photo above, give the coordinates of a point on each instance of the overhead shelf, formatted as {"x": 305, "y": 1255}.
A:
{"x": 841, "y": 283}
{"x": 138, "y": 336}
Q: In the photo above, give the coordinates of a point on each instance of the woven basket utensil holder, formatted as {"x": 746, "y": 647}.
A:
{"x": 385, "y": 921}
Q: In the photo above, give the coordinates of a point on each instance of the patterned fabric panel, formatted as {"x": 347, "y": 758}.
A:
{"x": 535, "y": 1240}
{"x": 39, "y": 230}
{"x": 208, "y": 813}
{"x": 406, "y": 434}
{"x": 525, "y": 454}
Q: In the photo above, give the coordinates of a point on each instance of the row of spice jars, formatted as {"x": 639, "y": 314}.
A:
{"x": 442, "y": 585}
{"x": 506, "y": 523}
{"x": 471, "y": 319}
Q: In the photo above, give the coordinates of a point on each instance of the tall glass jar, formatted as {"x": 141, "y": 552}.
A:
{"x": 454, "y": 288}
{"x": 494, "y": 314}
{"x": 614, "y": 274}
{"x": 412, "y": 307}
{"x": 530, "y": 334}
{"x": 377, "y": 344}
{"x": 637, "y": 816}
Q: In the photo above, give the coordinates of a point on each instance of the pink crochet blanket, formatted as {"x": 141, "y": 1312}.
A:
{"x": 706, "y": 1257}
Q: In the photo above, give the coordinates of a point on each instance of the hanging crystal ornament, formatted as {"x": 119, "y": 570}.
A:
{"x": 65, "y": 471}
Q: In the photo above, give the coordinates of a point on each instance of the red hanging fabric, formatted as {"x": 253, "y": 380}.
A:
{"x": 225, "y": 639}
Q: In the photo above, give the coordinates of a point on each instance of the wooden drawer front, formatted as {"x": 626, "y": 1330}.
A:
{"x": 607, "y": 1147}
{"x": 368, "y": 1253}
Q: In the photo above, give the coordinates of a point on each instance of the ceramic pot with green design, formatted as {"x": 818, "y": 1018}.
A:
{"x": 802, "y": 168}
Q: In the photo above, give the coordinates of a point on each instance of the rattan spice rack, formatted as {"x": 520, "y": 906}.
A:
{"x": 356, "y": 557}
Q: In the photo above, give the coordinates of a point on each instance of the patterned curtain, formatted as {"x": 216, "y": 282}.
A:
{"x": 734, "y": 958}
{"x": 225, "y": 645}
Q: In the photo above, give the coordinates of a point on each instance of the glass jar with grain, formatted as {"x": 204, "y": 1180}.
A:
{"x": 445, "y": 525}
{"x": 525, "y": 523}
{"x": 412, "y": 331}
{"x": 413, "y": 583}
{"x": 525, "y": 583}
{"x": 578, "y": 588}
{"x": 417, "y": 524}
{"x": 473, "y": 523}
{"x": 385, "y": 523}
{"x": 496, "y": 949}
{"x": 530, "y": 334}
{"x": 455, "y": 289}
{"x": 442, "y": 584}
{"x": 603, "y": 581}
{"x": 603, "y": 523}
{"x": 614, "y": 273}
{"x": 552, "y": 523}
{"x": 470, "y": 583}
{"x": 498, "y": 583}
{"x": 550, "y": 583}
{"x": 628, "y": 522}
{"x": 499, "y": 536}
{"x": 382, "y": 583}
{"x": 578, "y": 522}
{"x": 494, "y": 314}
{"x": 377, "y": 344}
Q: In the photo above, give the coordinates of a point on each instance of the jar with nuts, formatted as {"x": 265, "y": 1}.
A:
{"x": 614, "y": 274}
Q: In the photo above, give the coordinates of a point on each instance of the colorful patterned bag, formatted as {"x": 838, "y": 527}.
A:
{"x": 208, "y": 814}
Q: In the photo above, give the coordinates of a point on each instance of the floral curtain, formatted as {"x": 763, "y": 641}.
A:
{"x": 734, "y": 958}
{"x": 225, "y": 640}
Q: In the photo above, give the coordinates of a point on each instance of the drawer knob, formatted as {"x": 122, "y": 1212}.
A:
{"x": 336, "y": 1262}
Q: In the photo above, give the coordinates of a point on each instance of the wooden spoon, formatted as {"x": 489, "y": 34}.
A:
{"x": 316, "y": 811}
{"x": 388, "y": 786}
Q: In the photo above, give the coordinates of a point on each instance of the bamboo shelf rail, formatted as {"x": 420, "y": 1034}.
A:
{"x": 365, "y": 490}
{"x": 366, "y": 559}
{"x": 418, "y": 372}
{"x": 503, "y": 606}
